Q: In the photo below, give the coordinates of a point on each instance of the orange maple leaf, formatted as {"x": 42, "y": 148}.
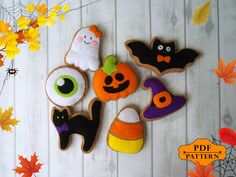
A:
{"x": 28, "y": 167}
{"x": 226, "y": 72}
{"x": 21, "y": 37}
{"x": 201, "y": 171}
{"x": 42, "y": 9}
{"x": 1, "y": 61}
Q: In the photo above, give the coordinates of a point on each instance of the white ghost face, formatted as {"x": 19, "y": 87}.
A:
{"x": 86, "y": 38}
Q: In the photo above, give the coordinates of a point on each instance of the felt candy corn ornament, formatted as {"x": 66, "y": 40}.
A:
{"x": 126, "y": 132}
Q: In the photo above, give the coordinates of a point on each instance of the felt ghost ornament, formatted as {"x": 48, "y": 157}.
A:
{"x": 84, "y": 49}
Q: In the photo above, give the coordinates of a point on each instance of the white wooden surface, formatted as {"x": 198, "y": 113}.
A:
{"x": 210, "y": 106}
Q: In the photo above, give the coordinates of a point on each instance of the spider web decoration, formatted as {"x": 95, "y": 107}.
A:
{"x": 12, "y": 14}
{"x": 226, "y": 167}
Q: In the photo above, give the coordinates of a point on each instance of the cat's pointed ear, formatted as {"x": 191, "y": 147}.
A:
{"x": 55, "y": 110}
{"x": 156, "y": 42}
{"x": 172, "y": 45}
{"x": 65, "y": 111}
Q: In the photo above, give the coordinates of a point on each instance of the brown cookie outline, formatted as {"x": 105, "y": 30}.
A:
{"x": 72, "y": 65}
{"x": 86, "y": 114}
{"x": 150, "y": 102}
{"x": 153, "y": 68}
{"x": 140, "y": 120}
{"x": 85, "y": 82}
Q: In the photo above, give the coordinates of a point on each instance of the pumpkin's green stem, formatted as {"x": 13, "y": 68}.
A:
{"x": 110, "y": 65}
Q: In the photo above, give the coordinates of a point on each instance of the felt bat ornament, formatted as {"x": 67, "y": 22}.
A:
{"x": 161, "y": 58}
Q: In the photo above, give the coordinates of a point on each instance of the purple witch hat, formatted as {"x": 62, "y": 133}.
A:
{"x": 163, "y": 102}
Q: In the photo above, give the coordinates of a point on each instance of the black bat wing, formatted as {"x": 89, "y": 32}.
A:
{"x": 140, "y": 51}
{"x": 183, "y": 58}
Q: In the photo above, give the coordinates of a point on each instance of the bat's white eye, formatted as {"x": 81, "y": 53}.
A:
{"x": 168, "y": 49}
{"x": 160, "y": 47}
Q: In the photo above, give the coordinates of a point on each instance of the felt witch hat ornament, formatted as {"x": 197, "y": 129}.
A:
{"x": 163, "y": 101}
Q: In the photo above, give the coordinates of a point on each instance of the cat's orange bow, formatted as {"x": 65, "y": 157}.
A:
{"x": 161, "y": 58}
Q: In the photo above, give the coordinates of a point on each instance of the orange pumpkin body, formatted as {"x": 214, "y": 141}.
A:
{"x": 118, "y": 84}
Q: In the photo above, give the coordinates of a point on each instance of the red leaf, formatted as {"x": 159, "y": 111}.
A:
{"x": 28, "y": 167}
{"x": 228, "y": 136}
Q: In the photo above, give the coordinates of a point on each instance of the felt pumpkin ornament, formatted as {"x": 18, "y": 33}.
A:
{"x": 114, "y": 81}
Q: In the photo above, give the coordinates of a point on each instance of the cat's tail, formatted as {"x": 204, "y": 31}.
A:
{"x": 95, "y": 108}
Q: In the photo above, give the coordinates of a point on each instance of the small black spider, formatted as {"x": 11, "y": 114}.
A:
{"x": 12, "y": 71}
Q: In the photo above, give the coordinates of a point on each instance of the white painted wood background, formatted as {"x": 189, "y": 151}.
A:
{"x": 210, "y": 106}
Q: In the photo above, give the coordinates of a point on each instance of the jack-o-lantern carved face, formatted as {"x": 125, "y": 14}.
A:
{"x": 114, "y": 81}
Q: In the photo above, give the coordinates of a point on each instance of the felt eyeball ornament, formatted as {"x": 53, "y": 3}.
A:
{"x": 83, "y": 52}
{"x": 114, "y": 81}
{"x": 65, "y": 86}
{"x": 163, "y": 102}
{"x": 126, "y": 132}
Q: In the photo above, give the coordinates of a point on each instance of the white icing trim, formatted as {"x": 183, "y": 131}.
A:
{"x": 129, "y": 115}
{"x": 65, "y": 101}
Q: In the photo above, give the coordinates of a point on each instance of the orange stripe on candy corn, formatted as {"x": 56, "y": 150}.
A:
{"x": 127, "y": 131}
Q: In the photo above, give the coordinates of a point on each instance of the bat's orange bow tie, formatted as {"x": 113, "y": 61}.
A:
{"x": 161, "y": 58}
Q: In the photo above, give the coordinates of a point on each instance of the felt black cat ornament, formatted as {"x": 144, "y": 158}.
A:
{"x": 161, "y": 58}
{"x": 65, "y": 87}
{"x": 85, "y": 125}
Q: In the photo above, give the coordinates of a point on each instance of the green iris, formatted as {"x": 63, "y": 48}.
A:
{"x": 66, "y": 86}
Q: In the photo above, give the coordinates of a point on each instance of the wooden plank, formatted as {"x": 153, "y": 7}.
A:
{"x": 69, "y": 162}
{"x": 101, "y": 161}
{"x": 133, "y": 19}
{"x": 202, "y": 88}
{"x": 7, "y": 139}
{"x": 170, "y": 132}
{"x": 31, "y": 103}
{"x": 227, "y": 40}
{"x": 227, "y": 52}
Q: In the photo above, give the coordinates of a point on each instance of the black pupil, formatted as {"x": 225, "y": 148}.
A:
{"x": 108, "y": 80}
{"x": 67, "y": 87}
{"x": 162, "y": 99}
{"x": 119, "y": 77}
{"x": 84, "y": 36}
{"x": 91, "y": 38}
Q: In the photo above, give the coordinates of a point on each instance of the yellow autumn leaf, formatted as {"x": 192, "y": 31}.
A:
{"x": 11, "y": 51}
{"x": 57, "y": 7}
{"x": 66, "y": 8}
{"x": 42, "y": 9}
{"x": 30, "y": 7}
{"x": 201, "y": 14}
{"x": 62, "y": 17}
{"x": 50, "y": 22}
{"x": 34, "y": 45}
{"x": 23, "y": 22}
{"x": 6, "y": 120}
{"x": 8, "y": 38}
{"x": 31, "y": 34}
{"x": 52, "y": 14}
{"x": 4, "y": 27}
{"x": 41, "y": 20}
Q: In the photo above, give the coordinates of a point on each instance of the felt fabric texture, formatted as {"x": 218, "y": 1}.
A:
{"x": 79, "y": 123}
{"x": 84, "y": 50}
{"x": 65, "y": 86}
{"x": 126, "y": 132}
{"x": 118, "y": 84}
{"x": 155, "y": 111}
{"x": 161, "y": 57}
